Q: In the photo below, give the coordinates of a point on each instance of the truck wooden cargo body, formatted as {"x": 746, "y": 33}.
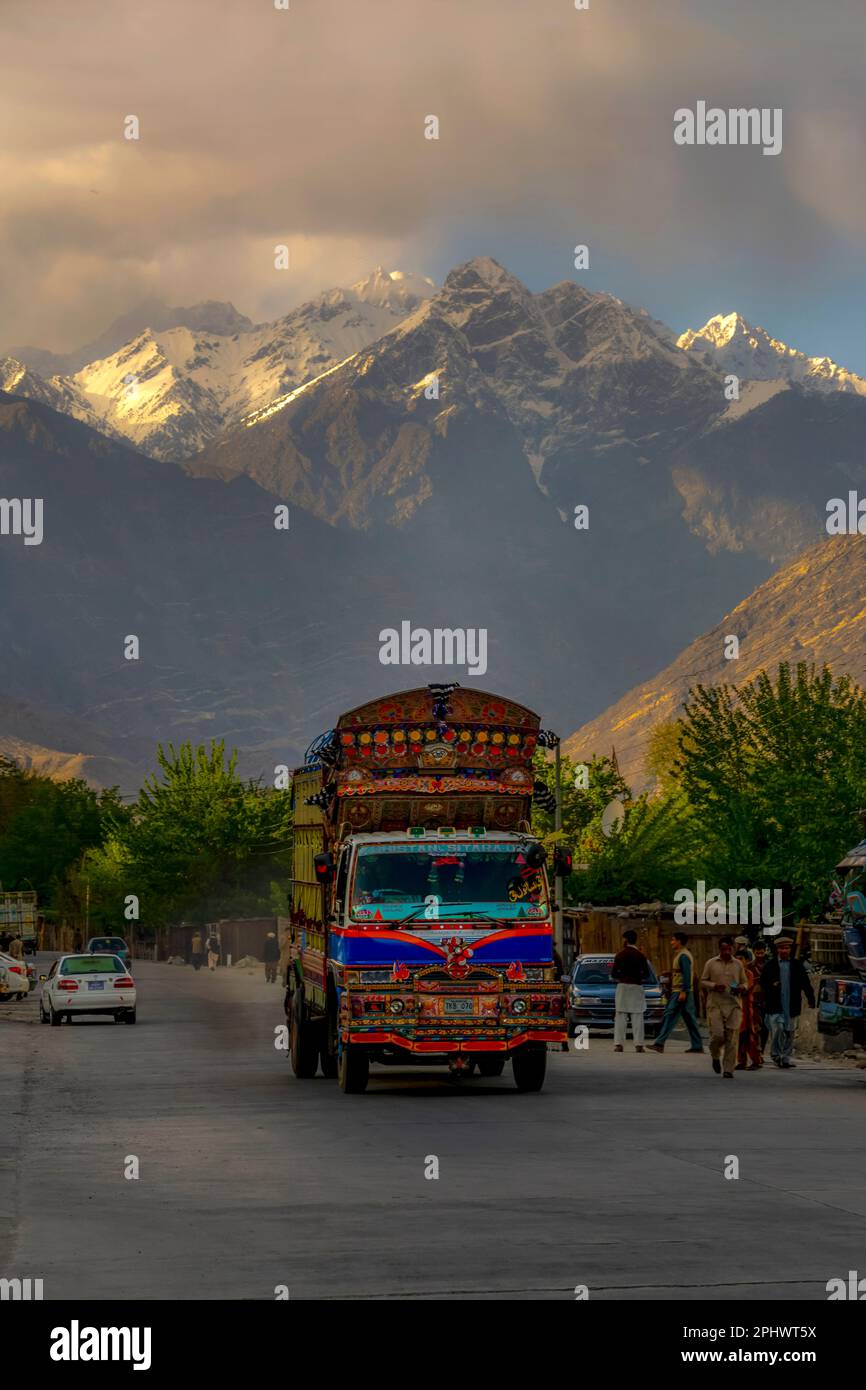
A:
{"x": 421, "y": 915}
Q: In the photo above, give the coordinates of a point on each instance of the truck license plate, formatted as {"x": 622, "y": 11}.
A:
{"x": 459, "y": 1006}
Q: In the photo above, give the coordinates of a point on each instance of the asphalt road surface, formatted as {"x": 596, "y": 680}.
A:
{"x": 612, "y": 1177}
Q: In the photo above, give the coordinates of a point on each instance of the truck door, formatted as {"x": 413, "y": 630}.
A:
{"x": 341, "y": 887}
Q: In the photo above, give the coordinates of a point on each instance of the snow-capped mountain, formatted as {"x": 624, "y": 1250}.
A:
{"x": 601, "y": 405}
{"x": 449, "y": 505}
{"x": 737, "y": 347}
{"x": 169, "y": 391}
{"x": 211, "y": 316}
{"x": 18, "y": 379}
{"x": 578, "y": 377}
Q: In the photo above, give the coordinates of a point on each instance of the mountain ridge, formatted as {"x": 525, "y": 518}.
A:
{"x": 812, "y": 609}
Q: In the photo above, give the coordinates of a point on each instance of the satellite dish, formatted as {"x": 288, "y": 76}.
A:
{"x": 612, "y": 815}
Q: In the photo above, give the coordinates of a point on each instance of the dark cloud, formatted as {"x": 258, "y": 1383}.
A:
{"x": 261, "y": 126}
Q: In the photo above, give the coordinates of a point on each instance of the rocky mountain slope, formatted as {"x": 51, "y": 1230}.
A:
{"x": 262, "y": 636}
{"x": 604, "y": 407}
{"x": 813, "y": 610}
{"x": 185, "y": 376}
{"x": 432, "y": 476}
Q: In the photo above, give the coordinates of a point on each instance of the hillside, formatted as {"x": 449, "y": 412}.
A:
{"x": 813, "y": 609}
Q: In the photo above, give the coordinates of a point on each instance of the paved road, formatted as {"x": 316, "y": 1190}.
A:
{"x": 612, "y": 1177}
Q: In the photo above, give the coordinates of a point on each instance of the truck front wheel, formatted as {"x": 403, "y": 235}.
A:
{"x": 529, "y": 1065}
{"x": 354, "y": 1070}
{"x": 304, "y": 1042}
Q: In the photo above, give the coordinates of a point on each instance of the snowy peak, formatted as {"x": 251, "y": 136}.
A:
{"x": 737, "y": 346}
{"x": 178, "y": 377}
{"x": 17, "y": 379}
{"x": 716, "y": 333}
{"x": 393, "y": 289}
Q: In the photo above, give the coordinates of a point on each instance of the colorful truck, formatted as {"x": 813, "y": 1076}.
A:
{"x": 18, "y": 917}
{"x": 842, "y": 995}
{"x": 421, "y": 922}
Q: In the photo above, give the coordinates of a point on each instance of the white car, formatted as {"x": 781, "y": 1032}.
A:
{"x": 87, "y": 984}
{"x": 14, "y": 977}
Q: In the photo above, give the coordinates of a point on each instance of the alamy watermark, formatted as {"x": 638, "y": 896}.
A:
{"x": 77, "y": 1343}
{"x": 739, "y": 125}
{"x": 441, "y": 646}
{"x": 22, "y": 516}
{"x": 739, "y": 905}
{"x": 846, "y": 517}
{"x": 20, "y": 1290}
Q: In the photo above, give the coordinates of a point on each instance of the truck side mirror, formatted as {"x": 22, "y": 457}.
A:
{"x": 562, "y": 862}
{"x": 535, "y": 855}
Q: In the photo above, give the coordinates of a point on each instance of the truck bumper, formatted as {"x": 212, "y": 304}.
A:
{"x": 440, "y": 1045}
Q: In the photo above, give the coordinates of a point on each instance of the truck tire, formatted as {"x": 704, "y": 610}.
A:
{"x": 354, "y": 1070}
{"x": 529, "y": 1065}
{"x": 491, "y": 1066}
{"x": 304, "y": 1043}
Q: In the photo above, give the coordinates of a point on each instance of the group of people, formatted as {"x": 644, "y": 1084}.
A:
{"x": 212, "y": 947}
{"x": 752, "y": 998}
{"x": 202, "y": 946}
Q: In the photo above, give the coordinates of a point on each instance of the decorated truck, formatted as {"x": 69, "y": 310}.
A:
{"x": 18, "y": 917}
{"x": 421, "y": 921}
{"x": 842, "y": 994}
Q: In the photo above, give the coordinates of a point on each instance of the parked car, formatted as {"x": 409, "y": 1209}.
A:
{"x": 114, "y": 945}
{"x": 15, "y": 977}
{"x": 591, "y": 996}
{"x": 87, "y": 984}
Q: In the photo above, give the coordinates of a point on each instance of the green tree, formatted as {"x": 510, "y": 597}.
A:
{"x": 45, "y": 827}
{"x": 644, "y": 859}
{"x": 774, "y": 774}
{"x": 201, "y": 842}
{"x": 582, "y": 807}
{"x": 663, "y": 755}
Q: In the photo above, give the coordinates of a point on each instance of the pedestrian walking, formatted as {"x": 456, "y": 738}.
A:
{"x": 749, "y": 1051}
{"x": 197, "y": 950}
{"x": 761, "y": 958}
{"x": 784, "y": 982}
{"x": 630, "y": 970}
{"x": 681, "y": 1004}
{"x": 272, "y": 956}
{"x": 724, "y": 979}
{"x": 213, "y": 951}
{"x": 16, "y": 947}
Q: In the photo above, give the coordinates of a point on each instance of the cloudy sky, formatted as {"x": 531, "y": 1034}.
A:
{"x": 306, "y": 127}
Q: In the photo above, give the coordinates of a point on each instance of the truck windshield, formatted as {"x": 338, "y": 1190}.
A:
{"x": 444, "y": 878}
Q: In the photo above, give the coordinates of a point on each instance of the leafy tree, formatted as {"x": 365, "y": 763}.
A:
{"x": 45, "y": 827}
{"x": 774, "y": 774}
{"x": 663, "y": 753}
{"x": 201, "y": 842}
{"x": 581, "y": 807}
{"x": 645, "y": 858}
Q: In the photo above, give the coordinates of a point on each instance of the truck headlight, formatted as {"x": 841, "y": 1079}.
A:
{"x": 396, "y": 1006}
{"x": 518, "y": 1006}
